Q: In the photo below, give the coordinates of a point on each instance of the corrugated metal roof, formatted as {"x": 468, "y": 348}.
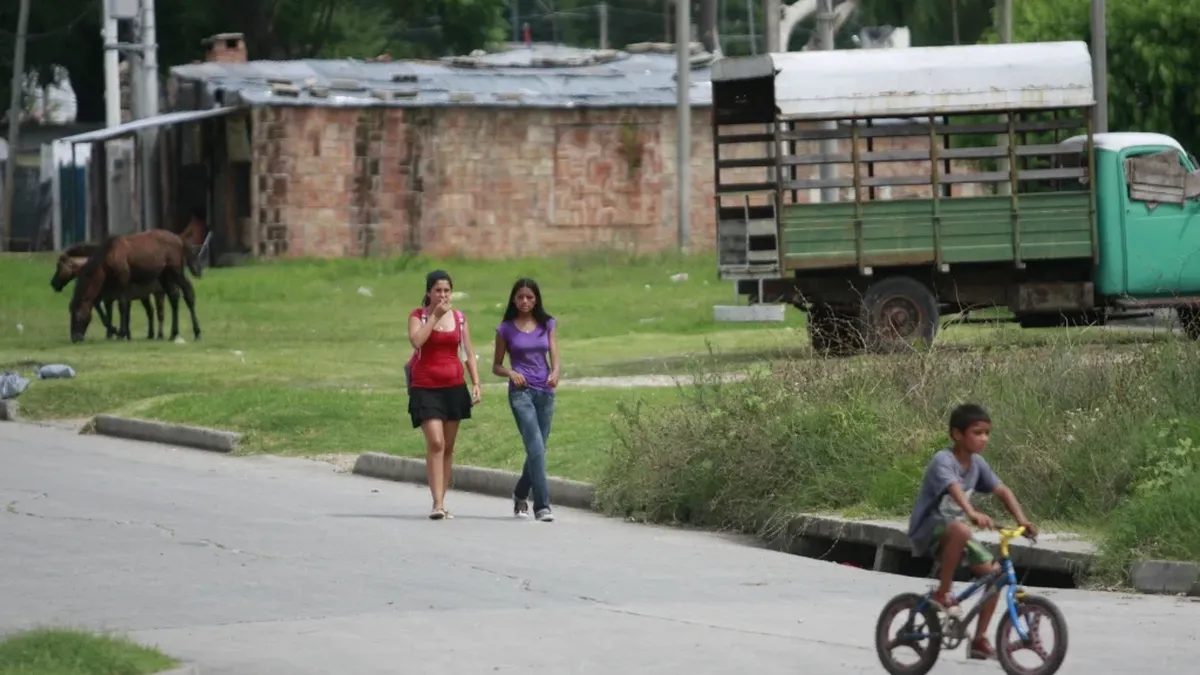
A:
{"x": 166, "y": 119}
{"x": 541, "y": 77}
{"x": 900, "y": 82}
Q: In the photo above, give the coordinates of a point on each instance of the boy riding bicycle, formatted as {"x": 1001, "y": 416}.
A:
{"x": 938, "y": 527}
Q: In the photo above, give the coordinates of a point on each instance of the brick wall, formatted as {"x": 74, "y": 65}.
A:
{"x": 475, "y": 182}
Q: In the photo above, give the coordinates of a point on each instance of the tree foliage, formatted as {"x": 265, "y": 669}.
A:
{"x": 1152, "y": 85}
{"x": 67, "y": 33}
{"x": 1151, "y": 82}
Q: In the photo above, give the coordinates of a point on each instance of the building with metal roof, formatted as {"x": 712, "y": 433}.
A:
{"x": 535, "y": 76}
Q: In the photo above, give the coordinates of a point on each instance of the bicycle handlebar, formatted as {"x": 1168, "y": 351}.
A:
{"x": 1007, "y": 535}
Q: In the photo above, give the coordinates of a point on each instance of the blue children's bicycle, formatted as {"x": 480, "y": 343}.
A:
{"x": 929, "y": 628}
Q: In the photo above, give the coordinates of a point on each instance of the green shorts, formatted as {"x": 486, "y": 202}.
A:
{"x": 976, "y": 553}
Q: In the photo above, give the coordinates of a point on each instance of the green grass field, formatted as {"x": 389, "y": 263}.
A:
{"x": 305, "y": 357}
{"x": 295, "y": 356}
{"x": 68, "y": 652}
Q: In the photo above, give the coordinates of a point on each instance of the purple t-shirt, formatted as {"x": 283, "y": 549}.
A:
{"x": 528, "y": 352}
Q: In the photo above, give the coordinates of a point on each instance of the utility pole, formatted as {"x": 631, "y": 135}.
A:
{"x": 1005, "y": 10}
{"x": 603, "y": 9}
{"x": 516, "y": 19}
{"x": 1100, "y": 65}
{"x": 147, "y": 95}
{"x": 112, "y": 66}
{"x": 829, "y": 146}
{"x": 750, "y": 21}
{"x": 683, "y": 132}
{"x": 14, "y": 123}
{"x": 112, "y": 100}
{"x": 771, "y": 27}
{"x": 771, "y": 45}
{"x": 709, "y": 35}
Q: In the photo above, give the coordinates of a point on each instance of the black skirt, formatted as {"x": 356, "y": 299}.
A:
{"x": 449, "y": 404}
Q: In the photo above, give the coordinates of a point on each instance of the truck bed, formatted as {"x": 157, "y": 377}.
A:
{"x": 902, "y": 232}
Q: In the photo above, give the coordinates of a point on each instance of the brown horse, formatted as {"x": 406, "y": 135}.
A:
{"x": 68, "y": 269}
{"x": 196, "y": 230}
{"x": 126, "y": 262}
{"x": 73, "y": 259}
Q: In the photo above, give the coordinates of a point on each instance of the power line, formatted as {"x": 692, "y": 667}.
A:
{"x": 34, "y": 37}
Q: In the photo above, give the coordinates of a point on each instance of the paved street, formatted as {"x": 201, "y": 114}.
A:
{"x": 267, "y": 566}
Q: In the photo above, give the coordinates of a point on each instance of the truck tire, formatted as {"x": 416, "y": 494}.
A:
{"x": 833, "y": 333}
{"x": 898, "y": 314}
{"x": 1189, "y": 321}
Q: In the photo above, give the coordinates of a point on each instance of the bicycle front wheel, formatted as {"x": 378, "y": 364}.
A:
{"x": 1044, "y": 651}
{"x": 918, "y": 632}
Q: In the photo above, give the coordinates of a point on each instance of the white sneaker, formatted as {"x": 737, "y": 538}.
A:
{"x": 544, "y": 516}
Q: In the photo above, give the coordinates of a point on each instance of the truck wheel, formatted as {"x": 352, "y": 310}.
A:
{"x": 897, "y": 314}
{"x": 832, "y": 332}
{"x": 1189, "y": 320}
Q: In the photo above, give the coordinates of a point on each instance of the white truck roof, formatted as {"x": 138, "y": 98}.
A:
{"x": 1117, "y": 141}
{"x": 921, "y": 80}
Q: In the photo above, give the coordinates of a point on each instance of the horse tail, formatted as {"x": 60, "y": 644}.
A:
{"x": 193, "y": 262}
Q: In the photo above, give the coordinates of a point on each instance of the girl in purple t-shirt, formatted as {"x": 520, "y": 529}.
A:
{"x": 528, "y": 336}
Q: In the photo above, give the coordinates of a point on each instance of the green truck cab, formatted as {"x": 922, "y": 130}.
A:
{"x": 879, "y": 190}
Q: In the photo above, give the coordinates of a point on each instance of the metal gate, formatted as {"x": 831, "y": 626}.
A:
{"x": 72, "y": 197}
{"x": 27, "y": 210}
{"x": 122, "y": 190}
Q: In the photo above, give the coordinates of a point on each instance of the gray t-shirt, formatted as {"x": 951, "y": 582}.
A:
{"x": 934, "y": 504}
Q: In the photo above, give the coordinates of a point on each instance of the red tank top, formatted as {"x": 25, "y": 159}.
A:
{"x": 437, "y": 364}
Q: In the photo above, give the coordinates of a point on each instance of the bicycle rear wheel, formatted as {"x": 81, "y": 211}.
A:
{"x": 919, "y": 631}
{"x": 1038, "y": 614}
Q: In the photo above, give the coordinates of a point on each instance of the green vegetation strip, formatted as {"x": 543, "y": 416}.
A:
{"x": 1101, "y": 441}
{"x": 68, "y": 652}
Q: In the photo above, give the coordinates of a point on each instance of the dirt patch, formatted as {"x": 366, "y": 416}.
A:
{"x": 342, "y": 462}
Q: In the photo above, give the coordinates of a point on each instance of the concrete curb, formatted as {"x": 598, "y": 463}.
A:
{"x": 10, "y": 411}
{"x": 1166, "y": 577}
{"x": 815, "y": 537}
{"x": 186, "y": 669}
{"x": 494, "y": 482}
{"x": 167, "y": 434}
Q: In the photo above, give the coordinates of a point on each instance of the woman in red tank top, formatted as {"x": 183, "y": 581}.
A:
{"x": 438, "y": 399}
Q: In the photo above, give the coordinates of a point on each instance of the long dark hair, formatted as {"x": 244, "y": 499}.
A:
{"x": 431, "y": 280}
{"x": 539, "y": 312}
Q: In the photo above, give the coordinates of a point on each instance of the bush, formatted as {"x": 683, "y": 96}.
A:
{"x": 1077, "y": 431}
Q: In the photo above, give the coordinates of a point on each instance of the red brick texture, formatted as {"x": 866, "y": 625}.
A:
{"x": 481, "y": 183}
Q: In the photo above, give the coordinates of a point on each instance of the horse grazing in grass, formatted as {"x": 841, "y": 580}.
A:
{"x": 73, "y": 259}
{"x": 122, "y": 265}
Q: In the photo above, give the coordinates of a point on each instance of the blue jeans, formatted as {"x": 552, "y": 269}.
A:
{"x": 533, "y": 411}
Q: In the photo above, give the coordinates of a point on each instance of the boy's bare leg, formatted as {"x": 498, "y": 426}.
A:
{"x": 981, "y": 644}
{"x": 954, "y": 541}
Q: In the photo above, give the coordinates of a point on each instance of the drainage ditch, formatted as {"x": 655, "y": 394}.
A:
{"x": 882, "y": 558}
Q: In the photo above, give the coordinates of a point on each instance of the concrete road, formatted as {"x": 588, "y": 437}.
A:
{"x": 267, "y": 566}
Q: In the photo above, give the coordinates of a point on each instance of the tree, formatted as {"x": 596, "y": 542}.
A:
{"x": 933, "y": 22}
{"x": 67, "y": 33}
{"x": 1151, "y": 83}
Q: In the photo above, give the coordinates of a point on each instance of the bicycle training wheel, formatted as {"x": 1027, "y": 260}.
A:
{"x": 917, "y": 632}
{"x": 1047, "y": 646}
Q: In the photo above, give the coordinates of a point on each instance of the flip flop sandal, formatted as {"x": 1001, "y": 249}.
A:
{"x": 437, "y": 514}
{"x": 982, "y": 654}
{"x": 449, "y": 516}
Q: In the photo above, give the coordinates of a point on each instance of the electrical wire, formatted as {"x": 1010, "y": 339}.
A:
{"x": 34, "y": 37}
